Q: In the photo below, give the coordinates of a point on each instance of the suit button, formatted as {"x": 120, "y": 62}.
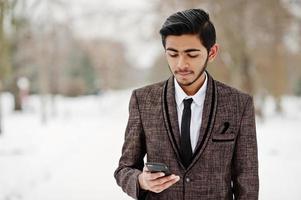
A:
{"x": 187, "y": 180}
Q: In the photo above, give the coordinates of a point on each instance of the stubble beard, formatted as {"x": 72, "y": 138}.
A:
{"x": 198, "y": 76}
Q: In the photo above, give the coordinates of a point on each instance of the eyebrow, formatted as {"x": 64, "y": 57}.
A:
{"x": 186, "y": 51}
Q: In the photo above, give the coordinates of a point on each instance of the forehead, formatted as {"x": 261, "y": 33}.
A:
{"x": 183, "y": 42}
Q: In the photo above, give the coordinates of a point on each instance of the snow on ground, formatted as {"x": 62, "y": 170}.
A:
{"x": 73, "y": 156}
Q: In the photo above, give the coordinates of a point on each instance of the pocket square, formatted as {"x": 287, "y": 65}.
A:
{"x": 224, "y": 134}
{"x": 224, "y": 128}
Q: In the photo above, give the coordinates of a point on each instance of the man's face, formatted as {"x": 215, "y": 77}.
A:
{"x": 187, "y": 58}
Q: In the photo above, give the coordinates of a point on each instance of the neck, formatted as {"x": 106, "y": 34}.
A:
{"x": 190, "y": 90}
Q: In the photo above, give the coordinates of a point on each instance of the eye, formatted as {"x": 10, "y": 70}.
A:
{"x": 192, "y": 56}
{"x": 173, "y": 55}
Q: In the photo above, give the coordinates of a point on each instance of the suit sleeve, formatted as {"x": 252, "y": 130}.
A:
{"x": 245, "y": 161}
{"x": 133, "y": 151}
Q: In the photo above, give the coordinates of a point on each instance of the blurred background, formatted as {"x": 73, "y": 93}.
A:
{"x": 67, "y": 69}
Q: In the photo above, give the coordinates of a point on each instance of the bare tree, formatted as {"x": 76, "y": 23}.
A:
{"x": 5, "y": 8}
{"x": 1, "y": 115}
{"x": 251, "y": 34}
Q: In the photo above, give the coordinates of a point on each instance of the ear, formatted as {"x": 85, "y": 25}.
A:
{"x": 213, "y": 52}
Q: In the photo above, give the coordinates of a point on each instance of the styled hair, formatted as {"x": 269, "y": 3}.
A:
{"x": 192, "y": 21}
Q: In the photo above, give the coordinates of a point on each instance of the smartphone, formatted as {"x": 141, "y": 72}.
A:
{"x": 157, "y": 167}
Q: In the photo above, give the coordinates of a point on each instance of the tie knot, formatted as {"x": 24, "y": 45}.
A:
{"x": 187, "y": 102}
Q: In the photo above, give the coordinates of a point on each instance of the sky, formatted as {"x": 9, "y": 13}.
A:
{"x": 129, "y": 22}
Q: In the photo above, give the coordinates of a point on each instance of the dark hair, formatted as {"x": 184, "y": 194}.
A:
{"x": 192, "y": 21}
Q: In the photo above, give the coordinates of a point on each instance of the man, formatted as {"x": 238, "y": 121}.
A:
{"x": 202, "y": 129}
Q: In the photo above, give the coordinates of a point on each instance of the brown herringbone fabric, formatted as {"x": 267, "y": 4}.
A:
{"x": 225, "y": 164}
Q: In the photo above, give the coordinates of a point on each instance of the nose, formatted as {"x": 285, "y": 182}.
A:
{"x": 182, "y": 63}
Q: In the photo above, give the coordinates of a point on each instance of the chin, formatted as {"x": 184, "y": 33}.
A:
{"x": 184, "y": 82}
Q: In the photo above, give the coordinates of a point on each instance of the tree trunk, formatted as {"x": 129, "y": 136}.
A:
{"x": 1, "y": 46}
{"x": 1, "y": 115}
{"x": 247, "y": 82}
{"x": 16, "y": 95}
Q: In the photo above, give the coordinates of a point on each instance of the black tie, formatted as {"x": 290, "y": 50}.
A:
{"x": 186, "y": 151}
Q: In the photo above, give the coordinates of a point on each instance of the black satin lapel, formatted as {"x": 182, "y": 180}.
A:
{"x": 172, "y": 110}
{"x": 208, "y": 116}
{"x": 206, "y": 111}
{"x": 170, "y": 115}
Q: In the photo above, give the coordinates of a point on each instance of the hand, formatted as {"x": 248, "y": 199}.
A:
{"x": 156, "y": 182}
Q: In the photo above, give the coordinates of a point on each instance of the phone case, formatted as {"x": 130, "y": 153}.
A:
{"x": 158, "y": 167}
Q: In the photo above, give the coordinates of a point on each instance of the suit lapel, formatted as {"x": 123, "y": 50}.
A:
{"x": 172, "y": 110}
{"x": 206, "y": 111}
{"x": 208, "y": 116}
{"x": 171, "y": 115}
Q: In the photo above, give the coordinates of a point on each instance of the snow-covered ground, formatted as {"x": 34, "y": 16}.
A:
{"x": 73, "y": 155}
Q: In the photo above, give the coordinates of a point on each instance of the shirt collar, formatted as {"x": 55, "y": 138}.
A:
{"x": 198, "y": 97}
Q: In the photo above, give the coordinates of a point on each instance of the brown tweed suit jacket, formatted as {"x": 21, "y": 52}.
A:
{"x": 225, "y": 163}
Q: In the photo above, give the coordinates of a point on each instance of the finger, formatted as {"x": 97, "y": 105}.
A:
{"x": 153, "y": 176}
{"x": 145, "y": 169}
{"x": 164, "y": 186}
{"x": 163, "y": 180}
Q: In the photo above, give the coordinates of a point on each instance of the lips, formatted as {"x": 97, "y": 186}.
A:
{"x": 183, "y": 73}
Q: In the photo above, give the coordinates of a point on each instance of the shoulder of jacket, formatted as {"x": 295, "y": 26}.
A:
{"x": 152, "y": 89}
{"x": 228, "y": 91}
{"x": 233, "y": 96}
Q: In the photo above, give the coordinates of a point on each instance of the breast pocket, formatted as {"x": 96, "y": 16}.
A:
{"x": 225, "y": 133}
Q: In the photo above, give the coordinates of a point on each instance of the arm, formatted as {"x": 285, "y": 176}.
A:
{"x": 133, "y": 151}
{"x": 245, "y": 161}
